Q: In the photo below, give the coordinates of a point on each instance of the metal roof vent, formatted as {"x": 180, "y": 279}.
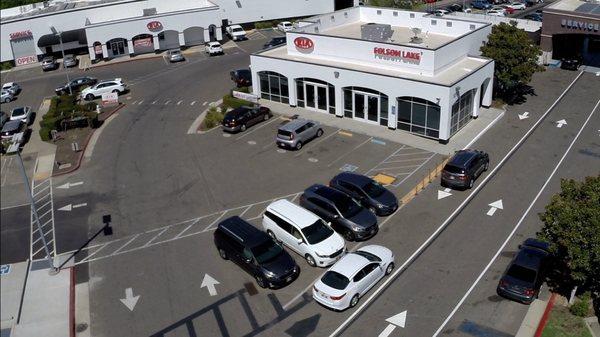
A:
{"x": 149, "y": 11}
{"x": 376, "y": 32}
{"x": 416, "y": 39}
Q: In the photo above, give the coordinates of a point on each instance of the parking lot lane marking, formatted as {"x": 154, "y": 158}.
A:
{"x": 133, "y": 103}
{"x": 140, "y": 102}
{"x": 5, "y": 173}
{"x": 193, "y": 102}
{"x": 226, "y": 135}
{"x": 313, "y": 160}
{"x": 185, "y": 229}
{"x": 345, "y": 133}
{"x": 128, "y": 97}
{"x": 351, "y": 151}
{"x": 15, "y": 206}
{"x": 413, "y": 172}
{"x": 311, "y": 145}
{"x": 153, "y": 102}
{"x": 215, "y": 221}
{"x": 244, "y": 212}
{"x": 179, "y": 102}
{"x": 252, "y": 142}
{"x": 87, "y": 258}
{"x": 281, "y": 151}
{"x": 167, "y": 102}
{"x": 377, "y": 141}
{"x": 388, "y": 157}
{"x": 404, "y": 160}
{"x": 205, "y": 103}
{"x": 247, "y": 133}
{"x": 409, "y": 154}
{"x": 123, "y": 246}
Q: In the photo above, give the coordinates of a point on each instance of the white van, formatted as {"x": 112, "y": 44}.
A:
{"x": 303, "y": 232}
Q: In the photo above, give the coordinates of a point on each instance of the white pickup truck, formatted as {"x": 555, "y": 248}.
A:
{"x": 236, "y": 32}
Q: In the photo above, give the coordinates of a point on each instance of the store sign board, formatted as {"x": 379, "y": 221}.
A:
{"x": 304, "y": 44}
{"x": 145, "y": 42}
{"x": 110, "y": 98}
{"x": 245, "y": 96}
{"x": 20, "y": 35}
{"x": 581, "y": 25}
{"x": 397, "y": 55}
{"x": 23, "y": 60}
{"x": 154, "y": 26}
{"x": 98, "y": 49}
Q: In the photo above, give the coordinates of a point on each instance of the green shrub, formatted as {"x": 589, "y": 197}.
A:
{"x": 45, "y": 134}
{"x": 213, "y": 118}
{"x": 232, "y": 102}
{"x": 581, "y": 307}
{"x": 264, "y": 24}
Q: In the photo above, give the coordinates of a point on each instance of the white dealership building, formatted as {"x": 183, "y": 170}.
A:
{"x": 399, "y": 69}
{"x": 113, "y": 28}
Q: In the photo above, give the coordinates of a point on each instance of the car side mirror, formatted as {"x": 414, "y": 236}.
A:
{"x": 335, "y": 216}
{"x": 300, "y": 241}
{"x": 329, "y": 224}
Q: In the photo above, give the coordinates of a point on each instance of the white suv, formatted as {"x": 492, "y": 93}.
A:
{"x": 303, "y": 232}
{"x": 102, "y": 87}
{"x": 213, "y": 48}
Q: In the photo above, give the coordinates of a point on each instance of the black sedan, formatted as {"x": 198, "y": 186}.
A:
{"x": 76, "y": 85}
{"x": 570, "y": 63}
{"x": 369, "y": 193}
{"x": 524, "y": 275}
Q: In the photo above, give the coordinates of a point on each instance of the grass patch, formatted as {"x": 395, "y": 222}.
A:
{"x": 6, "y": 65}
{"x": 213, "y": 118}
{"x": 563, "y": 324}
{"x": 65, "y": 107}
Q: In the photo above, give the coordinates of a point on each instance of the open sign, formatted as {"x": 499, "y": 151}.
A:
{"x": 304, "y": 44}
{"x": 154, "y": 26}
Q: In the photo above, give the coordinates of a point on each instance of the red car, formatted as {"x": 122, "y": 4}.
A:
{"x": 508, "y": 9}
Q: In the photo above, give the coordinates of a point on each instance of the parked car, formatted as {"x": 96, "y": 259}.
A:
{"x": 517, "y": 5}
{"x": 276, "y": 41}
{"x": 534, "y": 17}
{"x": 241, "y": 77}
{"x": 367, "y": 192}
{"x": 454, "y": 8}
{"x": 440, "y": 12}
{"x": 464, "y": 167}
{"x": 525, "y": 273}
{"x": 255, "y": 252}
{"x": 507, "y": 9}
{"x": 22, "y": 114}
{"x": 102, "y": 87}
{"x": 241, "y": 118}
{"x": 175, "y": 55}
{"x": 3, "y": 118}
{"x": 570, "y": 63}
{"x": 6, "y": 96}
{"x": 500, "y": 8}
{"x": 303, "y": 232}
{"x": 69, "y": 61}
{"x": 236, "y": 32}
{"x": 12, "y": 128}
{"x": 213, "y": 48}
{"x": 49, "y": 63}
{"x": 352, "y": 276}
{"x": 495, "y": 12}
{"x": 76, "y": 85}
{"x": 347, "y": 217}
{"x": 285, "y": 26}
{"x": 12, "y": 87}
{"x": 297, "y": 132}
{"x": 481, "y": 4}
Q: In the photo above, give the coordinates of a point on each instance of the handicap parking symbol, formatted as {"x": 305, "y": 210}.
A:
{"x": 4, "y": 269}
{"x": 348, "y": 168}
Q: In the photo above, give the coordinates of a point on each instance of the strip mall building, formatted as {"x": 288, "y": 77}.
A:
{"x": 113, "y": 28}
{"x": 402, "y": 70}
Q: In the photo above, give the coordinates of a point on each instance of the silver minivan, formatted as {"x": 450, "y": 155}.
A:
{"x": 297, "y": 132}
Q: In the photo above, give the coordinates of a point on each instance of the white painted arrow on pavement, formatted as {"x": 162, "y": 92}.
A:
{"x": 394, "y": 321}
{"x": 443, "y": 194}
{"x": 69, "y": 207}
{"x": 69, "y": 185}
{"x": 524, "y": 115}
{"x": 560, "y": 123}
{"x": 495, "y": 206}
{"x": 209, "y": 282}
{"x": 130, "y": 301}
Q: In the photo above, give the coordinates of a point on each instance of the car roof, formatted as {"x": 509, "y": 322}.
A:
{"x": 462, "y": 157}
{"x": 11, "y": 125}
{"x": 8, "y": 84}
{"x": 350, "y": 264}
{"x": 243, "y": 231}
{"x": 285, "y": 208}
{"x": 213, "y": 43}
{"x": 326, "y": 192}
{"x": 530, "y": 257}
{"x": 294, "y": 124}
{"x": 357, "y": 179}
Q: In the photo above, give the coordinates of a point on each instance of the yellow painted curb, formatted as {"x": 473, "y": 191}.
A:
{"x": 345, "y": 133}
{"x": 384, "y": 179}
{"x": 423, "y": 183}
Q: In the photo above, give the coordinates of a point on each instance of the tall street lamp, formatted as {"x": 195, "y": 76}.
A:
{"x": 62, "y": 49}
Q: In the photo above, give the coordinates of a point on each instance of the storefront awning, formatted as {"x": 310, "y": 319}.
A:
{"x": 67, "y": 36}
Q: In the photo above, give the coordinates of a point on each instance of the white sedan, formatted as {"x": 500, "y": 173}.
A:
{"x": 116, "y": 86}
{"x": 495, "y": 12}
{"x": 213, "y": 48}
{"x": 11, "y": 87}
{"x": 352, "y": 276}
{"x": 285, "y": 26}
{"x": 517, "y": 5}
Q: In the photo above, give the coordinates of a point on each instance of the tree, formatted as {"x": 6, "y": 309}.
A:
{"x": 515, "y": 57}
{"x": 572, "y": 227}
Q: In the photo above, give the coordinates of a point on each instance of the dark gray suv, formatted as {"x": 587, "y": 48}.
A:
{"x": 347, "y": 217}
{"x": 464, "y": 167}
{"x": 366, "y": 191}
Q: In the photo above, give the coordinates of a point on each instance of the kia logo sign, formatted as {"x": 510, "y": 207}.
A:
{"x": 304, "y": 44}
{"x": 154, "y": 26}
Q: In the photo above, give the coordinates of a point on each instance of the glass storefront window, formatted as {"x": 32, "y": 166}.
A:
{"x": 419, "y": 116}
{"x": 273, "y": 86}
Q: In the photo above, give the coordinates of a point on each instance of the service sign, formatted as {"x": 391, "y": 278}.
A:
{"x": 304, "y": 44}
{"x": 399, "y": 55}
{"x": 110, "y": 98}
{"x": 20, "y": 35}
{"x": 154, "y": 26}
{"x": 245, "y": 96}
{"x": 23, "y": 60}
{"x": 145, "y": 42}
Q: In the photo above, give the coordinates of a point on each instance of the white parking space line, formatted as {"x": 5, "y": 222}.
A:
{"x": 193, "y": 102}
{"x": 413, "y": 172}
{"x": 410, "y": 154}
{"x": 15, "y": 206}
{"x": 314, "y": 144}
{"x": 390, "y": 156}
{"x": 347, "y": 153}
{"x": 404, "y": 160}
{"x": 205, "y": 103}
{"x": 254, "y": 129}
{"x": 179, "y": 102}
{"x": 396, "y": 167}
{"x": 140, "y": 103}
{"x": 167, "y": 102}
{"x": 5, "y": 170}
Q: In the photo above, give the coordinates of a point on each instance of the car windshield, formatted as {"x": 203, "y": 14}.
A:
{"x": 368, "y": 256}
{"x": 238, "y": 30}
{"x": 284, "y": 134}
{"x": 373, "y": 189}
{"x": 335, "y": 280}
{"x": 266, "y": 251}
{"x": 317, "y": 232}
{"x": 521, "y": 273}
{"x": 18, "y": 112}
{"x": 347, "y": 206}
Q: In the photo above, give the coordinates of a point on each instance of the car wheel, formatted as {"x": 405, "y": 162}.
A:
{"x": 89, "y": 97}
{"x": 260, "y": 281}
{"x": 6, "y": 100}
{"x": 471, "y": 183}
{"x": 389, "y": 268}
{"x": 310, "y": 260}
{"x": 298, "y": 145}
{"x": 348, "y": 235}
{"x": 487, "y": 166}
{"x": 115, "y": 91}
{"x": 319, "y": 132}
{"x": 243, "y": 127}
{"x": 223, "y": 254}
{"x": 354, "y": 301}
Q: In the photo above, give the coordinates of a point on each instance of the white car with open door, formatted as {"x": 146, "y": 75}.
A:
{"x": 352, "y": 276}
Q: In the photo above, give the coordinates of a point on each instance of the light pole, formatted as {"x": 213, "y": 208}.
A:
{"x": 62, "y": 50}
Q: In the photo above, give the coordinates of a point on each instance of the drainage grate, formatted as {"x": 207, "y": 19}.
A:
{"x": 250, "y": 288}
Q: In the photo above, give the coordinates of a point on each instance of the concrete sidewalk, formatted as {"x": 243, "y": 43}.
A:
{"x": 466, "y": 136}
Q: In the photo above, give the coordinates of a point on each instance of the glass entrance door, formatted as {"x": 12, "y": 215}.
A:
{"x": 366, "y": 106}
{"x": 118, "y": 48}
{"x": 316, "y": 96}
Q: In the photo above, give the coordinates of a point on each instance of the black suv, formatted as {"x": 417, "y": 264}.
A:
{"x": 464, "y": 167}
{"x": 347, "y": 217}
{"x": 571, "y": 63}
{"x": 367, "y": 192}
{"x": 525, "y": 273}
{"x": 76, "y": 85}
{"x": 241, "y": 118}
{"x": 255, "y": 252}
{"x": 276, "y": 41}
{"x": 241, "y": 77}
